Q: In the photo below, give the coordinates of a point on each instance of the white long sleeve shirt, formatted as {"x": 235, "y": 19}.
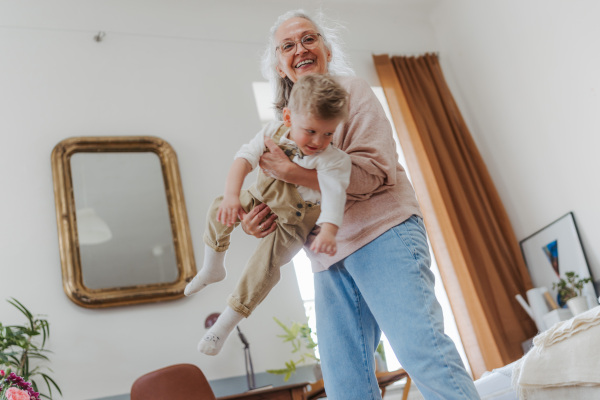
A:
{"x": 333, "y": 171}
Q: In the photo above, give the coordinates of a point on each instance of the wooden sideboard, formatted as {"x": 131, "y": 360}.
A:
{"x": 384, "y": 379}
{"x": 315, "y": 390}
{"x": 295, "y": 391}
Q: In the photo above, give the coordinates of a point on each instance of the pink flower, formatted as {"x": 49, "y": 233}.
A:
{"x": 16, "y": 394}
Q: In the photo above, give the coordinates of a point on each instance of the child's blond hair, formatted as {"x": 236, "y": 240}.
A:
{"x": 319, "y": 95}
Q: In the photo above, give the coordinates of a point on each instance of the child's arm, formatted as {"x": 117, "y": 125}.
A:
{"x": 333, "y": 181}
{"x": 325, "y": 241}
{"x": 231, "y": 208}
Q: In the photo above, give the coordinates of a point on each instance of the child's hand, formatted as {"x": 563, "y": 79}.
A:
{"x": 229, "y": 210}
{"x": 324, "y": 243}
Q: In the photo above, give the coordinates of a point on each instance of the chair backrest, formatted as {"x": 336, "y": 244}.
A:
{"x": 180, "y": 381}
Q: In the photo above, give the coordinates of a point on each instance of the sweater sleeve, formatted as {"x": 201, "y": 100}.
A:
{"x": 367, "y": 138}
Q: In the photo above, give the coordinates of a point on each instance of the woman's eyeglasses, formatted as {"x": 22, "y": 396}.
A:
{"x": 309, "y": 41}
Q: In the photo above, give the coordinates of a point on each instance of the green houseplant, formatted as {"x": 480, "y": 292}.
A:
{"x": 570, "y": 287}
{"x": 22, "y": 349}
{"x": 303, "y": 346}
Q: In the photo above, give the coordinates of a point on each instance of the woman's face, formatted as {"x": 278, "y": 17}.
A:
{"x": 300, "y": 61}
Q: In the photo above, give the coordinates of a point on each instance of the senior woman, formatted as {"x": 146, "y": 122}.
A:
{"x": 380, "y": 278}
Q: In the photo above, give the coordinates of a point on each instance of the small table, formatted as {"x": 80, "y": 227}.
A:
{"x": 384, "y": 379}
{"x": 288, "y": 392}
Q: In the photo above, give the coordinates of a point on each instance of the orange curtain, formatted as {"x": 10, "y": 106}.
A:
{"x": 473, "y": 241}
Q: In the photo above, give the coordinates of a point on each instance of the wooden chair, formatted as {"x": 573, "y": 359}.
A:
{"x": 179, "y": 381}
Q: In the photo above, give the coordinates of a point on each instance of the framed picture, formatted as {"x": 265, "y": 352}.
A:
{"x": 554, "y": 250}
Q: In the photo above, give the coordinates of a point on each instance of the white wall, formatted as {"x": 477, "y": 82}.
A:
{"x": 180, "y": 70}
{"x": 526, "y": 77}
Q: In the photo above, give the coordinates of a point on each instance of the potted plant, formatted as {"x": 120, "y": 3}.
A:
{"x": 303, "y": 341}
{"x": 20, "y": 348}
{"x": 380, "y": 361}
{"x": 570, "y": 292}
{"x": 303, "y": 345}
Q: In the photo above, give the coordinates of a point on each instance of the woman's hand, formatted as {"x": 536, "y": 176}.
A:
{"x": 258, "y": 222}
{"x": 274, "y": 163}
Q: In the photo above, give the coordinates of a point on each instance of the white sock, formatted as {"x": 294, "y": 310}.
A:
{"x": 213, "y": 270}
{"x": 214, "y": 339}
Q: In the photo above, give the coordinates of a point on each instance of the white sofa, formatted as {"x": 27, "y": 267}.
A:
{"x": 564, "y": 363}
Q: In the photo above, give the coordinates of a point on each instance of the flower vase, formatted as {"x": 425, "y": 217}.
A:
{"x": 578, "y": 304}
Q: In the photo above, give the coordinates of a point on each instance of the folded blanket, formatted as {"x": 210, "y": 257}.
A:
{"x": 568, "y": 354}
{"x": 568, "y": 328}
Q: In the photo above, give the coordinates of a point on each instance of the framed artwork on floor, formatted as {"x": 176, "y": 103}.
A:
{"x": 554, "y": 250}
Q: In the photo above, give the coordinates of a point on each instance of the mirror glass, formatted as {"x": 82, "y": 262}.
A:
{"x": 123, "y": 230}
{"x": 117, "y": 251}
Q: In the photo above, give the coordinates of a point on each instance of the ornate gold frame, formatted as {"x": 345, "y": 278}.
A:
{"x": 67, "y": 227}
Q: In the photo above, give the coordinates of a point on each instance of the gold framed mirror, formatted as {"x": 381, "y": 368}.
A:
{"x": 123, "y": 229}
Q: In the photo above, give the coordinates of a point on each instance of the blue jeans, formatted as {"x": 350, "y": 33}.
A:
{"x": 386, "y": 286}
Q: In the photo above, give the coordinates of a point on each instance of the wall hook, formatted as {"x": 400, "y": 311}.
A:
{"x": 99, "y": 36}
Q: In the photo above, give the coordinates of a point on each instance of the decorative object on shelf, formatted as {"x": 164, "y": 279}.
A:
{"x": 578, "y": 304}
{"x": 303, "y": 343}
{"x": 552, "y": 251}
{"x": 570, "y": 292}
{"x": 18, "y": 349}
{"x": 570, "y": 288}
{"x": 543, "y": 309}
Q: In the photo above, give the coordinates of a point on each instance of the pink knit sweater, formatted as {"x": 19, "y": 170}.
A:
{"x": 380, "y": 195}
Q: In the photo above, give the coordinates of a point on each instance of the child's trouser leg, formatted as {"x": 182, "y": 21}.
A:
{"x": 258, "y": 278}
{"x": 216, "y": 234}
{"x": 262, "y": 271}
{"x": 217, "y": 239}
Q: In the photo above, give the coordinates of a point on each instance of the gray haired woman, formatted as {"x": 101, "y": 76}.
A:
{"x": 380, "y": 278}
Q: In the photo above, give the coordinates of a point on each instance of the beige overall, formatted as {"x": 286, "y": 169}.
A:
{"x": 296, "y": 218}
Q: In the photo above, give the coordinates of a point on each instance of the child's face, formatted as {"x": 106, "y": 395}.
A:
{"x": 311, "y": 134}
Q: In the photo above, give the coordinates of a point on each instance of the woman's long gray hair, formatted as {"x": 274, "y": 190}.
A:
{"x": 283, "y": 86}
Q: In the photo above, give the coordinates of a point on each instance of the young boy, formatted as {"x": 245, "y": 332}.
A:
{"x": 317, "y": 105}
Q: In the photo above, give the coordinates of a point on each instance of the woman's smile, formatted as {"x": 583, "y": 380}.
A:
{"x": 304, "y": 62}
